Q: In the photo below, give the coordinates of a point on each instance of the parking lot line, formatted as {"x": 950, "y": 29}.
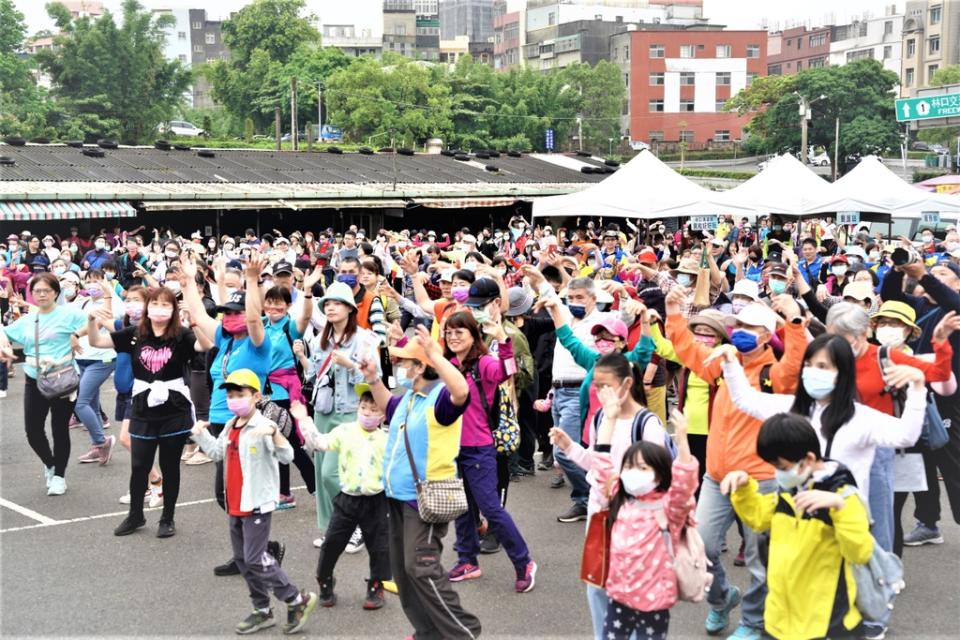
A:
{"x": 30, "y": 513}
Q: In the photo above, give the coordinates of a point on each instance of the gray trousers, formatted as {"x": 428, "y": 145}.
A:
{"x": 249, "y": 536}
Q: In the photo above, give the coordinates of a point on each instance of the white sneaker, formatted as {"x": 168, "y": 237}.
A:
{"x": 318, "y": 542}
{"x": 48, "y": 473}
{"x": 3, "y": 393}
{"x": 356, "y": 542}
{"x": 125, "y": 498}
{"x": 58, "y": 486}
{"x": 156, "y": 496}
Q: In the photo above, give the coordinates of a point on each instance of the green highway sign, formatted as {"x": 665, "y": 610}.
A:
{"x": 927, "y": 107}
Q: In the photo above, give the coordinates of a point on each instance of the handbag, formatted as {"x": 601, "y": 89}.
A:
{"x": 595, "y": 561}
{"x": 438, "y": 501}
{"x": 502, "y": 421}
{"x": 57, "y": 382}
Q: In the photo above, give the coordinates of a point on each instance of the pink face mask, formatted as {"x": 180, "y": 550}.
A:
{"x": 240, "y": 406}
{"x": 369, "y": 422}
{"x": 460, "y": 294}
{"x": 709, "y": 341}
{"x": 159, "y": 314}
{"x": 235, "y": 323}
{"x": 605, "y": 346}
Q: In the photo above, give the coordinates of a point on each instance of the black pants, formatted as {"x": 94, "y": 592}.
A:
{"x": 527, "y": 418}
{"x": 349, "y": 512}
{"x": 142, "y": 452}
{"x": 35, "y": 410}
{"x": 200, "y": 394}
{"x": 698, "y": 449}
{"x": 218, "y": 492}
{"x": 947, "y": 460}
{"x": 301, "y": 460}
{"x": 428, "y": 601}
{"x": 622, "y": 622}
{"x": 899, "y": 502}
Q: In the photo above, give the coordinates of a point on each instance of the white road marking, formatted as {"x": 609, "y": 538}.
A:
{"x": 44, "y": 521}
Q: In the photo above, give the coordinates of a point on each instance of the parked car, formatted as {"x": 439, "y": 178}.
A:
{"x": 939, "y": 149}
{"x": 821, "y": 159}
{"x": 181, "y": 128}
{"x": 301, "y": 136}
{"x": 919, "y": 145}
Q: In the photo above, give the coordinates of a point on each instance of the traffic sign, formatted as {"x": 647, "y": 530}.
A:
{"x": 848, "y": 217}
{"x": 930, "y": 217}
{"x": 702, "y": 223}
{"x": 548, "y": 142}
{"x": 927, "y": 107}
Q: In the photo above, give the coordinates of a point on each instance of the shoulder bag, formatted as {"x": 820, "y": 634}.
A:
{"x": 58, "y": 382}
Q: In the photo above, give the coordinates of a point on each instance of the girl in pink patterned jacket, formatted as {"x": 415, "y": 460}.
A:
{"x": 648, "y": 490}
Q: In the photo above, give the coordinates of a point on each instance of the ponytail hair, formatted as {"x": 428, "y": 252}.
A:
{"x": 617, "y": 364}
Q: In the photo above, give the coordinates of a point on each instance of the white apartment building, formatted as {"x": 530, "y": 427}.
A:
{"x": 356, "y": 27}
{"x": 177, "y": 45}
{"x": 878, "y": 37}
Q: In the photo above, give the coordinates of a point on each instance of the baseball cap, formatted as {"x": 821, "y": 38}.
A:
{"x": 858, "y": 291}
{"x": 482, "y": 291}
{"x": 242, "y": 379}
{"x": 778, "y": 269}
{"x": 236, "y": 302}
{"x": 747, "y": 288}
{"x": 410, "y": 351}
{"x": 840, "y": 258}
{"x": 521, "y": 299}
{"x": 447, "y": 275}
{"x": 282, "y": 267}
{"x": 612, "y": 325}
{"x": 755, "y": 314}
{"x": 647, "y": 256}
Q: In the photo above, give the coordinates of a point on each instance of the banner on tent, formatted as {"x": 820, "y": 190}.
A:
{"x": 930, "y": 217}
{"x": 848, "y": 217}
{"x": 702, "y": 223}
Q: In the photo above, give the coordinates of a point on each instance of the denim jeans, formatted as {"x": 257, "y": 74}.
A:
{"x": 566, "y": 416}
{"x": 881, "y": 497}
{"x": 93, "y": 373}
{"x": 715, "y": 515}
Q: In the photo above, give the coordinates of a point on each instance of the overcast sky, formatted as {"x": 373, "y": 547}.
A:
{"x": 736, "y": 14}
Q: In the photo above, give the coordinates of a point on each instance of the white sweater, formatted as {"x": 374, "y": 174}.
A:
{"x": 854, "y": 444}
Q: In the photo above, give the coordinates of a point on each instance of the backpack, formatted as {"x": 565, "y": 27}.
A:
{"x": 934, "y": 433}
{"x": 502, "y": 419}
{"x": 639, "y": 422}
{"x": 690, "y": 562}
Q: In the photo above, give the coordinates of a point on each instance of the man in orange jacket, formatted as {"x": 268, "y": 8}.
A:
{"x": 732, "y": 441}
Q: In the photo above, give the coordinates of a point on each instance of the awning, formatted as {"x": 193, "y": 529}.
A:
{"x": 463, "y": 203}
{"x": 64, "y": 210}
{"x": 154, "y": 206}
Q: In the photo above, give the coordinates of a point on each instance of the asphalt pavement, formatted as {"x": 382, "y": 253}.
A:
{"x": 63, "y": 573}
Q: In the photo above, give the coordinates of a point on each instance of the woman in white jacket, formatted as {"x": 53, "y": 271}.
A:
{"x": 849, "y": 432}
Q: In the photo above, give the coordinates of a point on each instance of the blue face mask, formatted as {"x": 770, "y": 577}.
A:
{"x": 400, "y": 375}
{"x": 819, "y": 383}
{"x": 743, "y": 340}
{"x": 684, "y": 279}
{"x": 348, "y": 279}
{"x": 515, "y": 232}
{"x": 778, "y": 286}
{"x": 578, "y": 311}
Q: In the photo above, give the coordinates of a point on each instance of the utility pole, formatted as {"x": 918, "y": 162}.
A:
{"x": 836, "y": 146}
{"x": 319, "y": 110}
{"x": 277, "y": 126}
{"x": 580, "y": 132}
{"x": 294, "y": 135}
{"x": 804, "y": 114}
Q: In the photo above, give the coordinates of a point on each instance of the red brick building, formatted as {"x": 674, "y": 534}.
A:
{"x": 798, "y": 49}
{"x": 678, "y": 81}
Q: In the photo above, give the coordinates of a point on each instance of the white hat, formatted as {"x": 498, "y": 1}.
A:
{"x": 468, "y": 239}
{"x": 855, "y": 250}
{"x": 755, "y": 314}
{"x": 447, "y": 275}
{"x": 747, "y": 288}
{"x": 955, "y": 253}
{"x": 604, "y": 296}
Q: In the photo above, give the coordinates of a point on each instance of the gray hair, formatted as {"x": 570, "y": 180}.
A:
{"x": 848, "y": 320}
{"x": 585, "y": 284}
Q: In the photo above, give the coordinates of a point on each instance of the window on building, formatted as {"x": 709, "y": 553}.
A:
{"x": 626, "y": 52}
{"x": 789, "y": 42}
{"x": 656, "y": 106}
{"x": 774, "y": 70}
{"x": 799, "y": 65}
{"x": 935, "y": 14}
{"x": 816, "y": 63}
{"x": 655, "y": 136}
{"x": 888, "y": 27}
{"x": 718, "y": 106}
{"x": 721, "y": 135}
{"x": 400, "y": 30}
{"x": 656, "y": 51}
{"x": 753, "y": 51}
{"x": 182, "y": 57}
{"x": 198, "y": 48}
{"x": 818, "y": 40}
{"x": 197, "y": 26}
{"x": 723, "y": 78}
{"x": 724, "y": 51}
{"x": 181, "y": 35}
{"x": 933, "y": 45}
{"x": 686, "y": 105}
{"x": 911, "y": 48}
{"x": 211, "y": 38}
{"x": 753, "y": 75}
{"x": 931, "y": 70}
{"x": 859, "y": 55}
{"x": 687, "y": 78}
{"x": 887, "y": 52}
{"x": 908, "y": 78}
{"x": 687, "y": 51}
{"x": 626, "y": 80}
{"x": 552, "y": 18}
{"x": 686, "y": 136}
{"x": 625, "y": 108}
{"x": 799, "y": 43}
{"x": 656, "y": 79}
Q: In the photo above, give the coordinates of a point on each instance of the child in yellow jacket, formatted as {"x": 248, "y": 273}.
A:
{"x": 818, "y": 527}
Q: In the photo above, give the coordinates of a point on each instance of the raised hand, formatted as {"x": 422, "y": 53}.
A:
{"x": 947, "y": 325}
{"x": 733, "y": 481}
{"x": 312, "y": 279}
{"x": 298, "y": 410}
{"x": 559, "y": 438}
{"x": 430, "y": 346}
{"x": 727, "y": 352}
{"x": 901, "y": 375}
{"x": 814, "y": 499}
{"x": 610, "y": 401}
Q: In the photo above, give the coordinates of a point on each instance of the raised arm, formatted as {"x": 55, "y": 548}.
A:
{"x": 690, "y": 353}
{"x": 254, "y": 302}
{"x": 191, "y": 296}
{"x": 451, "y": 376}
{"x": 751, "y": 401}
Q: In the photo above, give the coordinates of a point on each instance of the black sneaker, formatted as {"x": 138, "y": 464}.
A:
{"x": 128, "y": 526}
{"x": 546, "y": 463}
{"x": 297, "y": 614}
{"x": 374, "y": 595}
{"x": 277, "y": 550}
{"x": 228, "y": 568}
{"x": 255, "y": 622}
{"x": 489, "y": 544}
{"x": 327, "y": 597}
{"x": 557, "y": 482}
{"x": 575, "y": 513}
{"x": 166, "y": 529}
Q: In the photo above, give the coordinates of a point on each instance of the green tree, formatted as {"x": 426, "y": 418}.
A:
{"x": 600, "y": 93}
{"x": 112, "y": 80}
{"x": 24, "y": 108}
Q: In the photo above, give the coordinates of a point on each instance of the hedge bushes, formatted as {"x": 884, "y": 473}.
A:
{"x": 716, "y": 173}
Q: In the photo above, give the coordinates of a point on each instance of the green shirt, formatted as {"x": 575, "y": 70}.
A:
{"x": 360, "y": 458}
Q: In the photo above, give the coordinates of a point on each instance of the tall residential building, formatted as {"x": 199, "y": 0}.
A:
{"x": 509, "y": 36}
{"x": 471, "y": 18}
{"x": 400, "y": 27}
{"x": 930, "y": 41}
{"x": 428, "y": 29}
{"x": 878, "y": 38}
{"x": 355, "y": 27}
{"x": 206, "y": 43}
{"x": 678, "y": 80}
{"x": 793, "y": 50}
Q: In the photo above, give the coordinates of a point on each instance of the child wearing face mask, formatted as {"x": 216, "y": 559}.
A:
{"x": 251, "y": 446}
{"x": 361, "y": 501}
{"x": 650, "y": 500}
{"x": 818, "y": 527}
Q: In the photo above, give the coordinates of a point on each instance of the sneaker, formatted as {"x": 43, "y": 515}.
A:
{"x": 106, "y": 450}
{"x": 297, "y": 614}
{"x": 74, "y": 422}
{"x": 356, "y": 542}
{"x": 92, "y": 455}
{"x": 48, "y": 473}
{"x": 718, "y": 619}
{"x": 277, "y": 550}
{"x": 166, "y": 529}
{"x": 286, "y": 502}
{"x": 489, "y": 544}
{"x": 3, "y": 393}
{"x": 327, "y": 596}
{"x": 228, "y": 568}
{"x": 874, "y": 633}
{"x": 318, "y": 542}
{"x": 374, "y": 598}
{"x": 740, "y": 560}
{"x": 922, "y": 534}
{"x": 128, "y": 526}
{"x": 125, "y": 498}
{"x": 390, "y": 587}
{"x": 255, "y": 622}
{"x": 743, "y": 632}
{"x": 546, "y": 463}
{"x": 155, "y": 494}
{"x": 527, "y": 579}
{"x": 464, "y": 571}
{"x": 199, "y": 457}
{"x": 557, "y": 482}
{"x": 58, "y": 486}
{"x": 575, "y": 513}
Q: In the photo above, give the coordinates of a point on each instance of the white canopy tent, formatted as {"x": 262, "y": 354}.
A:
{"x": 785, "y": 187}
{"x": 642, "y": 188}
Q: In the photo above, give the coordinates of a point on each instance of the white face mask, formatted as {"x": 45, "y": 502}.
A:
{"x": 839, "y": 271}
{"x": 638, "y": 482}
{"x": 890, "y": 336}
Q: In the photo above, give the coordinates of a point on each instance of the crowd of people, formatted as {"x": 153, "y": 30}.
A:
{"x": 787, "y": 377}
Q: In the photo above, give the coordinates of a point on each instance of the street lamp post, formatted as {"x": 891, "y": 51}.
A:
{"x": 804, "y": 117}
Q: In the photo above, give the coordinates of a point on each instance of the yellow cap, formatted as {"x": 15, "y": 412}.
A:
{"x": 242, "y": 378}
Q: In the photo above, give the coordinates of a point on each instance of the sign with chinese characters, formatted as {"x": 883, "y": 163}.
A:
{"x": 945, "y": 106}
{"x": 848, "y": 217}
{"x": 930, "y": 217}
{"x": 548, "y": 140}
{"x": 702, "y": 223}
